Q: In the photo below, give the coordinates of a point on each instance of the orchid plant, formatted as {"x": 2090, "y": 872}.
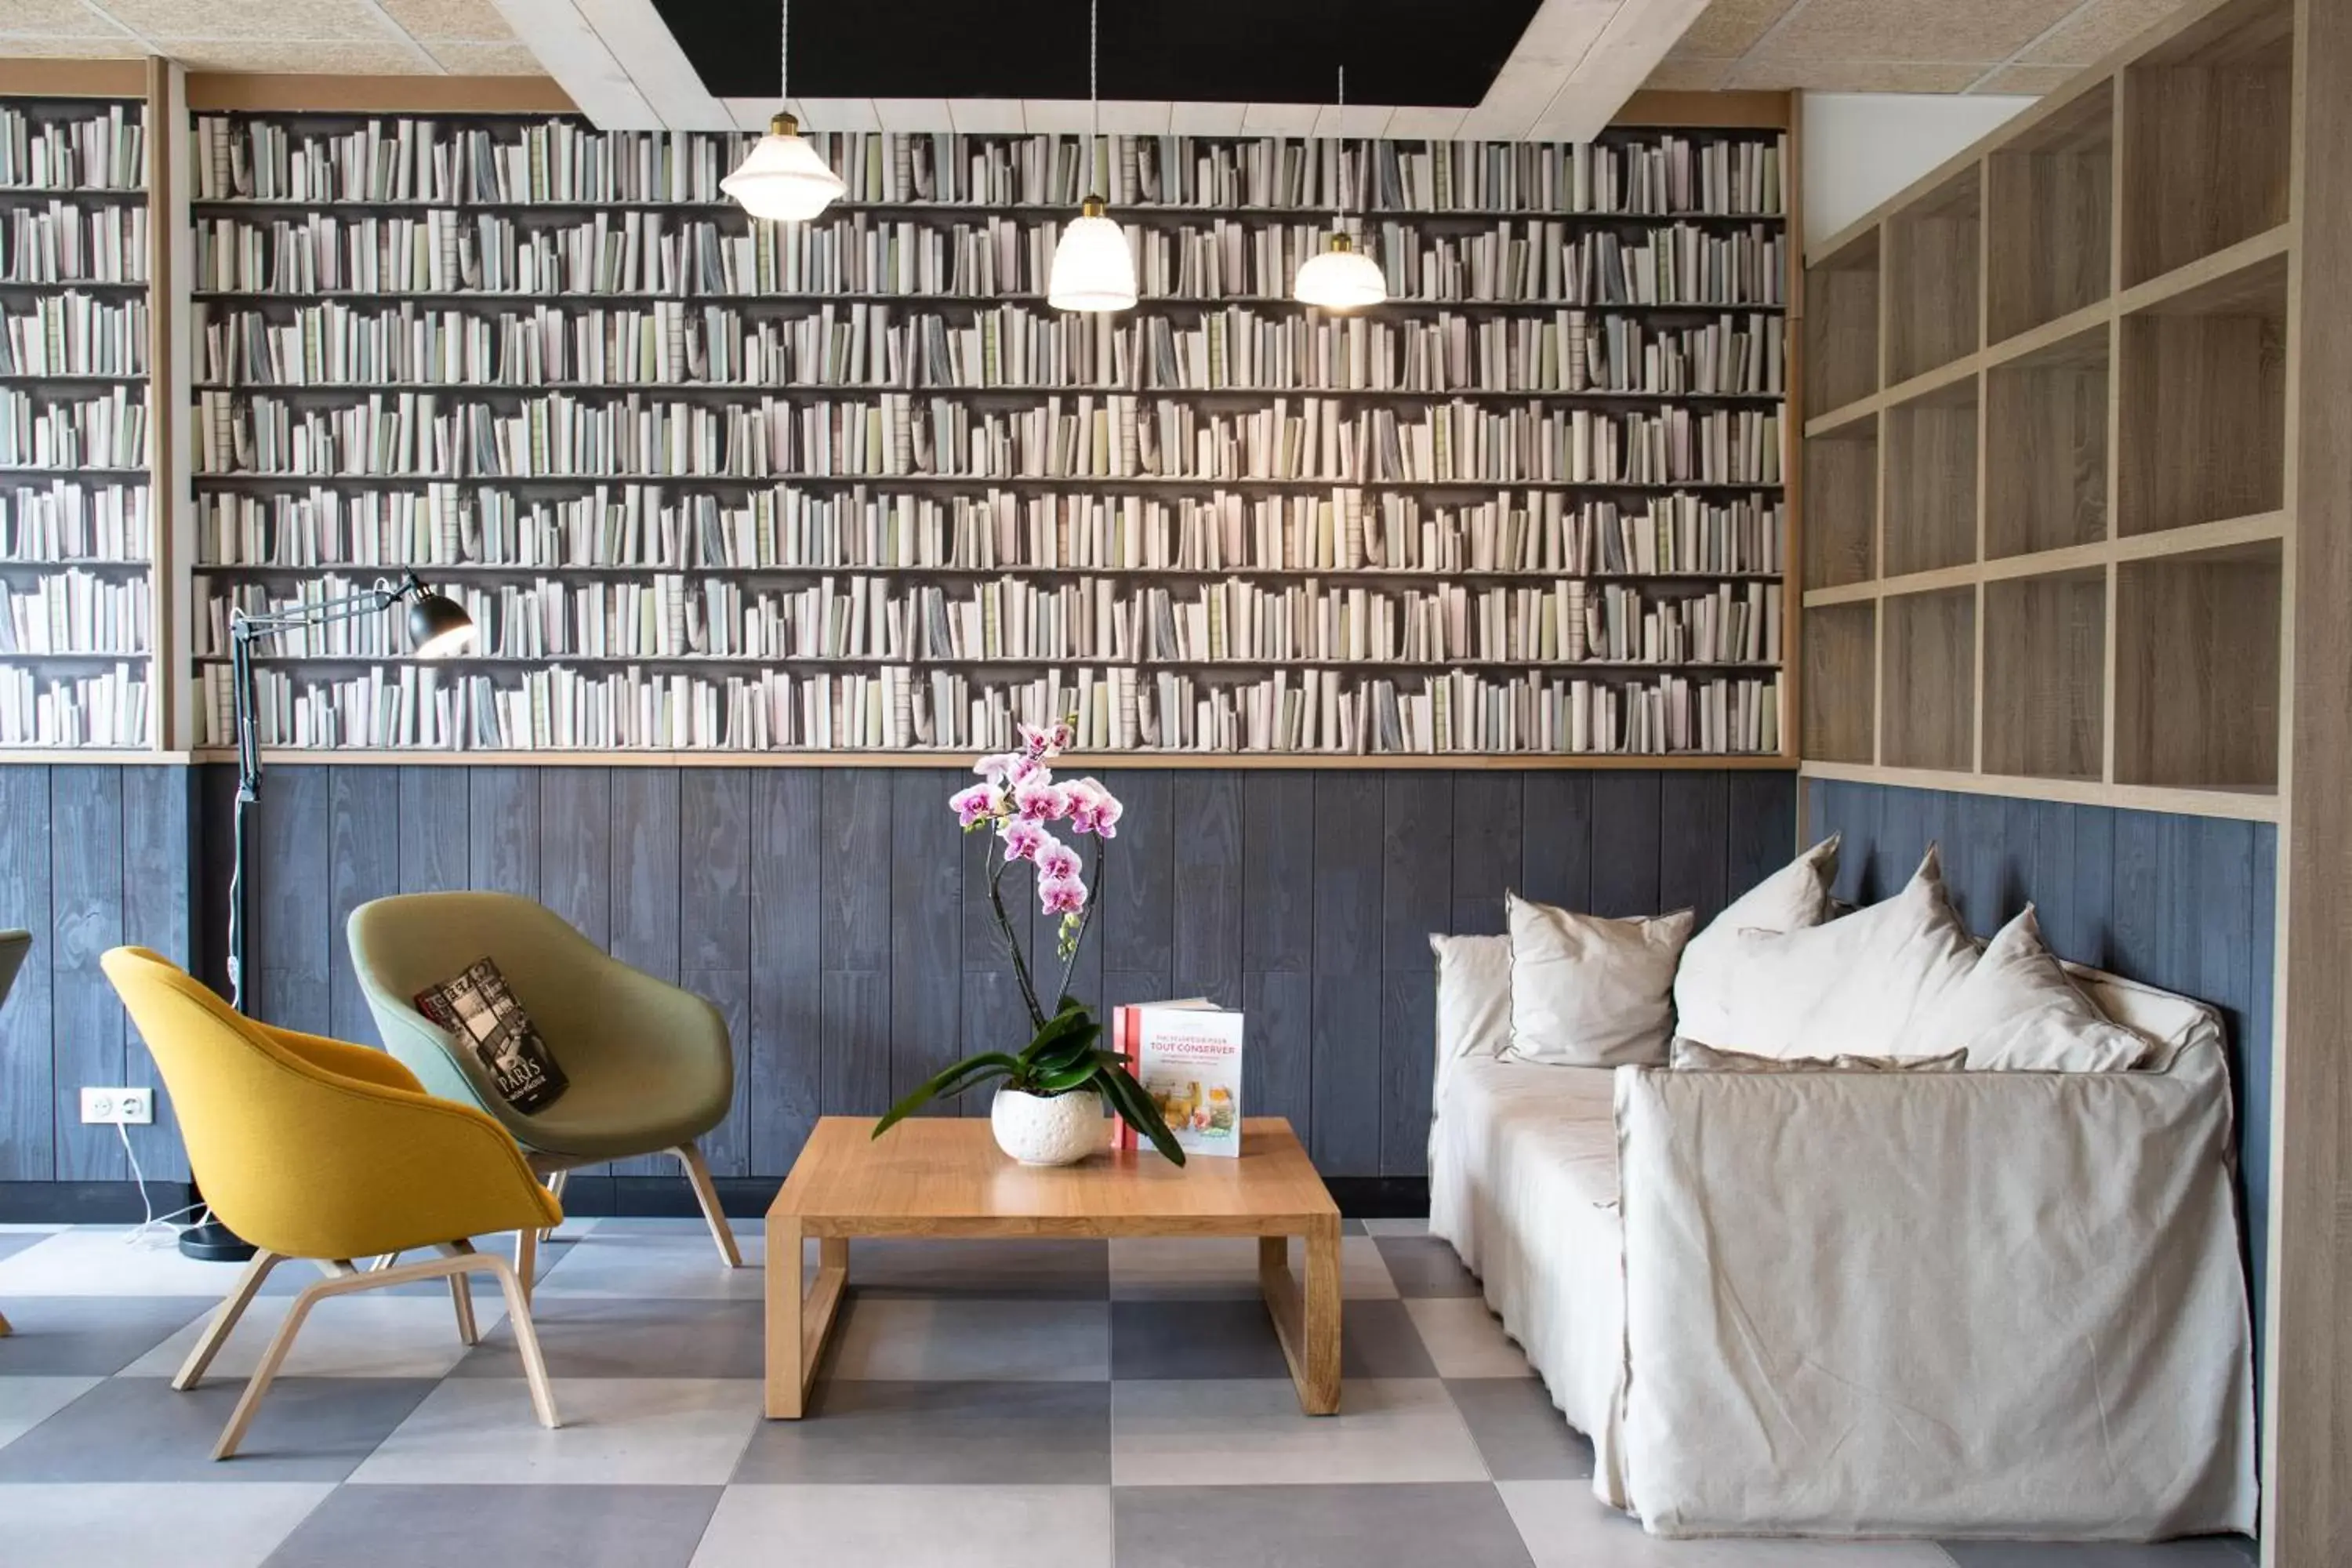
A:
{"x": 1019, "y": 803}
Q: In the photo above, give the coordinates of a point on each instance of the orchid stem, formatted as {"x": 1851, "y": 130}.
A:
{"x": 1012, "y": 947}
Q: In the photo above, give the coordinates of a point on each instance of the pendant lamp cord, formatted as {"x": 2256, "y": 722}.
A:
{"x": 1093, "y": 95}
{"x": 785, "y": 57}
{"x": 1339, "y": 218}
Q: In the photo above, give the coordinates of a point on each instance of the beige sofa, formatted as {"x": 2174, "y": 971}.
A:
{"x": 1845, "y": 1303}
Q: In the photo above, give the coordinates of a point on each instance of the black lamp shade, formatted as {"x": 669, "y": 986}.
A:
{"x": 438, "y": 626}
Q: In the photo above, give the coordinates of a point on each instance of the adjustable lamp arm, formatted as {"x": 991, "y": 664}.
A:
{"x": 245, "y": 630}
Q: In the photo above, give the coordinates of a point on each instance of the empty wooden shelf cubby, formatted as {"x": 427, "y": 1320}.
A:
{"x": 2197, "y": 666}
{"x": 2046, "y": 675}
{"x": 2046, "y": 434}
{"x": 1842, "y": 505}
{"x": 1842, "y": 326}
{"x": 1841, "y": 663}
{"x": 1931, "y": 279}
{"x": 2208, "y": 127}
{"x": 1931, "y": 482}
{"x": 1930, "y": 650}
{"x": 2203, "y": 378}
{"x": 2049, "y": 224}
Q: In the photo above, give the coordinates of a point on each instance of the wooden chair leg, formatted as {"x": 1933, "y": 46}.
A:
{"x": 556, "y": 1182}
{"x": 216, "y": 1334}
{"x": 4, "y": 1329}
{"x": 526, "y": 1263}
{"x": 272, "y": 1359}
{"x": 526, "y": 1333}
{"x": 697, "y": 1175}
{"x": 461, "y": 1293}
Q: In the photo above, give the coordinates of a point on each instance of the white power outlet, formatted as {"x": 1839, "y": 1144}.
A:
{"x": 106, "y": 1107}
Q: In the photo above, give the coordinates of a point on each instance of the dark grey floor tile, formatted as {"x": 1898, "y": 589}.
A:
{"x": 940, "y": 1433}
{"x": 2202, "y": 1552}
{"x": 1035, "y": 1269}
{"x": 1424, "y": 1266}
{"x": 89, "y": 1336}
{"x": 138, "y": 1429}
{"x": 596, "y": 1336}
{"x": 1459, "y": 1525}
{"x": 1155, "y": 1340}
{"x": 13, "y": 1242}
{"x": 1351, "y": 1227}
{"x": 1519, "y": 1434}
{"x": 514, "y": 1527}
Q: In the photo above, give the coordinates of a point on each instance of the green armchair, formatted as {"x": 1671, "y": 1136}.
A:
{"x": 650, "y": 1065}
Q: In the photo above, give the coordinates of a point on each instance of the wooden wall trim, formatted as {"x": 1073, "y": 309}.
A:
{"x": 1737, "y": 111}
{"x": 73, "y": 78}
{"x": 231, "y": 90}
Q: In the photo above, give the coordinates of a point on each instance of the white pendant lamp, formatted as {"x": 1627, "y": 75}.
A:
{"x": 1093, "y": 268}
{"x": 1341, "y": 277}
{"x": 782, "y": 178}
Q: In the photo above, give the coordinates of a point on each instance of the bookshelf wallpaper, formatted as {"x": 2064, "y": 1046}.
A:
{"x": 852, "y": 486}
{"x": 78, "y": 562}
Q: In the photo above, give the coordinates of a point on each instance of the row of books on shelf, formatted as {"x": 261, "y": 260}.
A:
{"x": 668, "y": 617}
{"x": 1321, "y": 711}
{"x": 76, "y": 611}
{"x": 102, "y": 149}
{"x": 72, "y": 519}
{"x": 111, "y": 707}
{"x": 448, "y": 250}
{"x": 410, "y": 158}
{"x": 1108, "y": 436}
{"x": 448, "y": 524}
{"x": 70, "y": 242}
{"x": 863, "y": 345}
{"x": 74, "y": 334}
{"x": 106, "y": 429}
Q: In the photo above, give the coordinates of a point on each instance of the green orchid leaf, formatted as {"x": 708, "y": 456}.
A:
{"x": 1134, "y": 1107}
{"x": 1077, "y": 1046}
{"x": 1062, "y": 1080}
{"x": 949, "y": 1081}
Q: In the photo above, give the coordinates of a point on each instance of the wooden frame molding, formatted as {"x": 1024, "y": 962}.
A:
{"x": 237, "y": 91}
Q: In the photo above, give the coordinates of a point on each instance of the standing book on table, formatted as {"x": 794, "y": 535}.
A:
{"x": 1187, "y": 1056}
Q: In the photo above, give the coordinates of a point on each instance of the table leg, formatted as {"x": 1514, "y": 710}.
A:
{"x": 1306, "y": 1321}
{"x": 799, "y": 1321}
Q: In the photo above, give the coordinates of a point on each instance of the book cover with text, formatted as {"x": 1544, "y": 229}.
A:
{"x": 1187, "y": 1056}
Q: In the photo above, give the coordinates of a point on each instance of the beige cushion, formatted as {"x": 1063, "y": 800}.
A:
{"x": 2018, "y": 1011}
{"x": 1793, "y": 897}
{"x": 1590, "y": 992}
{"x": 1854, "y": 987}
{"x": 1474, "y": 997}
{"x": 1689, "y": 1056}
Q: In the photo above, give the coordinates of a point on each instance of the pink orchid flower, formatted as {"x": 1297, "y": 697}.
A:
{"x": 1023, "y": 838}
{"x": 1045, "y": 742}
{"x": 973, "y": 806}
{"x": 1039, "y": 799}
{"x": 1093, "y": 808}
{"x": 1062, "y": 895}
{"x": 1058, "y": 862}
{"x": 997, "y": 766}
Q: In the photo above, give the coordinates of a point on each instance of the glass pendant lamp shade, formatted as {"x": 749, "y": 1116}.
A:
{"x": 439, "y": 627}
{"x": 783, "y": 177}
{"x": 1093, "y": 268}
{"x": 1341, "y": 278}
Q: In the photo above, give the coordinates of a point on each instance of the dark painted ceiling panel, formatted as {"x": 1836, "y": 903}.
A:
{"x": 1434, "y": 52}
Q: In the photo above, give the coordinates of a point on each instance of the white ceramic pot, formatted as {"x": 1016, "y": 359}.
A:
{"x": 1049, "y": 1129}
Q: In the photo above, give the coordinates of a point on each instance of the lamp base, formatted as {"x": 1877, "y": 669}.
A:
{"x": 213, "y": 1242}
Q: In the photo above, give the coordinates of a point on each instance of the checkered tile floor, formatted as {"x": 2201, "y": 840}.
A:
{"x": 1043, "y": 1405}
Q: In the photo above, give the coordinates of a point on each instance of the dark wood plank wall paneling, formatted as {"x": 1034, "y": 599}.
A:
{"x": 840, "y": 919}
{"x": 2187, "y": 903}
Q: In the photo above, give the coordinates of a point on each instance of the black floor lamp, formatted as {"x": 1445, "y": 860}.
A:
{"x": 438, "y": 627}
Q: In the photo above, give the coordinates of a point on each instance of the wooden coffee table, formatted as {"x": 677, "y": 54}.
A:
{"x": 943, "y": 1176}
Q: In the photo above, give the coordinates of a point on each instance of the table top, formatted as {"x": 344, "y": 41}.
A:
{"x": 945, "y": 1176}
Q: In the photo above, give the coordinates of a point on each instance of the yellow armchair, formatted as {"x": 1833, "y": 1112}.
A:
{"x": 312, "y": 1148}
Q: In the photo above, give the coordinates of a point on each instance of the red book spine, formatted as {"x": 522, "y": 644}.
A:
{"x": 1126, "y": 1031}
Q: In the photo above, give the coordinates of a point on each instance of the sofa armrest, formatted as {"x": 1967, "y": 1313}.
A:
{"x": 1935, "y": 1303}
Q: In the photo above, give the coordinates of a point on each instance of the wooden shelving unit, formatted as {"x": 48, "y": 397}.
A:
{"x": 2062, "y": 498}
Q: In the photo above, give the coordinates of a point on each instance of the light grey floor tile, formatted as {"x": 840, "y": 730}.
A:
{"x": 942, "y": 1433}
{"x": 616, "y": 1430}
{"x": 1223, "y": 1338}
{"x": 160, "y": 1525}
{"x": 1519, "y": 1433}
{"x": 512, "y": 1527}
{"x": 1424, "y": 1266}
{"x": 1396, "y": 1226}
{"x": 600, "y": 1336}
{"x": 13, "y": 1242}
{"x": 370, "y": 1335}
{"x": 1565, "y": 1526}
{"x": 1252, "y": 1433}
{"x": 2203, "y": 1552}
{"x": 91, "y": 1336}
{"x": 662, "y": 1265}
{"x": 1465, "y": 1339}
{"x": 138, "y": 1429}
{"x": 26, "y": 1402}
{"x": 1460, "y": 1525}
{"x": 292, "y": 1276}
{"x": 1027, "y": 1270}
{"x": 1194, "y": 1268}
{"x": 104, "y": 1260}
{"x": 910, "y": 1527}
{"x": 928, "y": 1340}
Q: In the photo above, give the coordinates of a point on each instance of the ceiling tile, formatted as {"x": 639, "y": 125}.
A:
{"x": 52, "y": 46}
{"x": 486, "y": 59}
{"x": 331, "y": 58}
{"x": 68, "y": 18}
{"x": 1910, "y": 30}
{"x": 1679, "y": 74}
{"x": 277, "y": 22}
{"x": 475, "y": 20}
{"x": 1730, "y": 27}
{"x": 2034, "y": 79}
{"x": 1854, "y": 76}
{"x": 2099, "y": 27}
